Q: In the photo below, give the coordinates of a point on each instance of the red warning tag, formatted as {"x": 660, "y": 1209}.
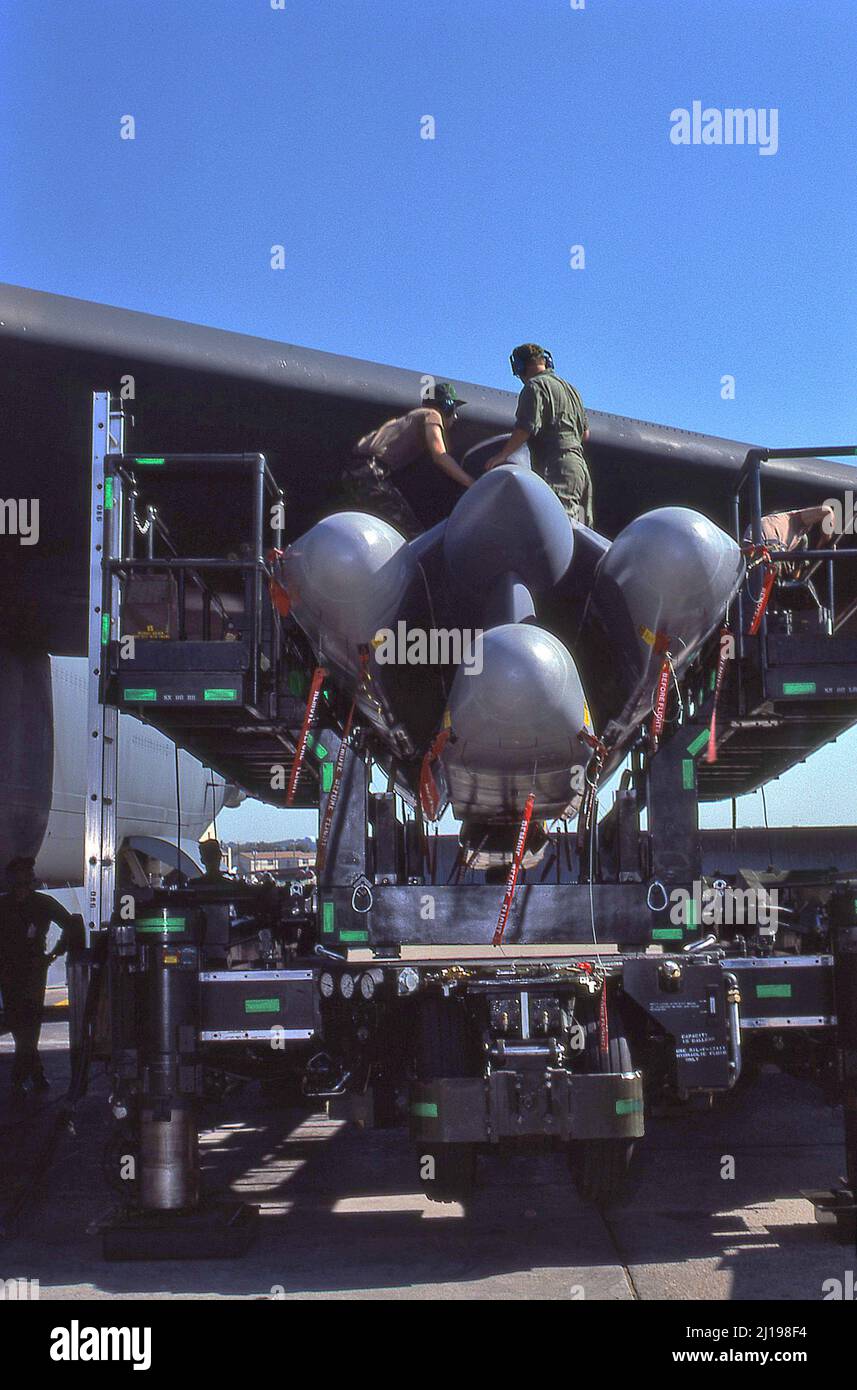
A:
{"x": 319, "y": 676}
{"x": 512, "y": 880}
{"x": 661, "y": 693}
{"x": 429, "y": 793}
{"x": 723, "y": 661}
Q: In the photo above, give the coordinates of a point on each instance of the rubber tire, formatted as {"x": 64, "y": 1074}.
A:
{"x": 284, "y": 1092}
{"x": 384, "y": 1105}
{"x": 454, "y": 1172}
{"x": 599, "y": 1167}
{"x": 442, "y": 1047}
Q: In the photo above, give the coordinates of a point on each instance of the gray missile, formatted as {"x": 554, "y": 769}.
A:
{"x": 347, "y": 577}
{"x": 505, "y": 562}
{"x": 660, "y": 589}
{"x": 515, "y": 721}
{"x": 509, "y": 522}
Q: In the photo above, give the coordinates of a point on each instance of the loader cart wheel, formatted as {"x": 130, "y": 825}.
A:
{"x": 599, "y": 1167}
{"x": 454, "y": 1169}
{"x": 443, "y": 1047}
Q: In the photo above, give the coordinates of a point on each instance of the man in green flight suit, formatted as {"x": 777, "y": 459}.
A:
{"x": 551, "y": 420}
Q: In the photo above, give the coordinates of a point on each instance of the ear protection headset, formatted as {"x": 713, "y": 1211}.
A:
{"x": 522, "y": 355}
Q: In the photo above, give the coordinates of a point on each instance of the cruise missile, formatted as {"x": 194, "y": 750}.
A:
{"x": 515, "y": 729}
{"x": 480, "y": 647}
{"x": 658, "y": 593}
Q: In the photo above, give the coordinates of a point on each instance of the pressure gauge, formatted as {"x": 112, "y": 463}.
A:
{"x": 326, "y": 985}
{"x": 367, "y": 986}
{"x": 346, "y": 985}
{"x": 409, "y": 980}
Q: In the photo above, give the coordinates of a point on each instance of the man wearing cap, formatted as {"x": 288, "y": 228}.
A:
{"x": 211, "y": 854}
{"x": 25, "y": 919}
{"x": 369, "y": 480}
{"x": 218, "y": 916}
{"x": 551, "y": 420}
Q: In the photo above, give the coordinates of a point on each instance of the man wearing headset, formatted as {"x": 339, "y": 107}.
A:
{"x": 381, "y": 454}
{"x": 551, "y": 420}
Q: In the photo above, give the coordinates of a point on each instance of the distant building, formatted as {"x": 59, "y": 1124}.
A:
{"x": 279, "y": 862}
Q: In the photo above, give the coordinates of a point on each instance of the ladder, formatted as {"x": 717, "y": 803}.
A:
{"x": 102, "y": 762}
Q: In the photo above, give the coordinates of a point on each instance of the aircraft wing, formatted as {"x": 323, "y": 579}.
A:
{"x": 204, "y": 389}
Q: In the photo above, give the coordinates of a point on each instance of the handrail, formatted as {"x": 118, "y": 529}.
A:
{"x": 751, "y": 473}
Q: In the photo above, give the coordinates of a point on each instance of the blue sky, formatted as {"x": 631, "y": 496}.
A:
{"x": 301, "y": 127}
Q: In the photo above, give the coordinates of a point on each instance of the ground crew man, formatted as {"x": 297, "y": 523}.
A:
{"x": 551, "y": 420}
{"x": 218, "y": 916}
{"x": 25, "y": 919}
{"x": 368, "y": 481}
{"x": 211, "y": 854}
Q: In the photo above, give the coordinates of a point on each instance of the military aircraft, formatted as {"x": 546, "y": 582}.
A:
{"x": 582, "y": 621}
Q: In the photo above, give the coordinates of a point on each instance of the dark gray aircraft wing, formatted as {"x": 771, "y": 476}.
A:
{"x": 203, "y": 389}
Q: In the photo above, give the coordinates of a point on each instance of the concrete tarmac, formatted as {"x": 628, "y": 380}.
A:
{"x": 714, "y": 1209}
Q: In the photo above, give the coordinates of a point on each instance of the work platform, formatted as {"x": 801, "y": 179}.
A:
{"x": 792, "y": 686}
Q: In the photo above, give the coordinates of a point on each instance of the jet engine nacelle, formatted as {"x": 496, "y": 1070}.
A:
{"x": 43, "y": 773}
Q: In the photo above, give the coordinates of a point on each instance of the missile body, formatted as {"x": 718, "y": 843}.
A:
{"x": 480, "y": 628}
{"x": 514, "y": 728}
{"x": 349, "y": 578}
{"x": 510, "y": 521}
{"x": 659, "y": 591}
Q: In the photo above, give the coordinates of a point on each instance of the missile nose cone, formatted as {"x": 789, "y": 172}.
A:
{"x": 516, "y": 715}
{"x": 510, "y": 520}
{"x": 677, "y": 557}
{"x": 526, "y": 683}
{"x": 661, "y": 587}
{"x": 348, "y": 575}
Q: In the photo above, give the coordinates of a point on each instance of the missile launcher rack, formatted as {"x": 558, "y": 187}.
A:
{"x": 370, "y": 978}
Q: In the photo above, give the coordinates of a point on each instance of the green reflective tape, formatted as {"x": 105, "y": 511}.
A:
{"x": 687, "y": 777}
{"x": 690, "y": 920}
{"x": 326, "y": 776}
{"x": 105, "y": 629}
{"x": 667, "y": 934}
{"x": 261, "y": 1006}
{"x": 218, "y": 693}
{"x": 150, "y": 462}
{"x": 773, "y": 991}
{"x": 354, "y": 936}
{"x": 327, "y": 916}
{"x": 424, "y": 1109}
{"x": 108, "y": 494}
{"x": 152, "y": 926}
{"x": 698, "y": 743}
{"x": 799, "y": 687}
{"x": 317, "y": 747}
{"x": 628, "y": 1107}
{"x": 297, "y": 682}
{"x": 137, "y": 696}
